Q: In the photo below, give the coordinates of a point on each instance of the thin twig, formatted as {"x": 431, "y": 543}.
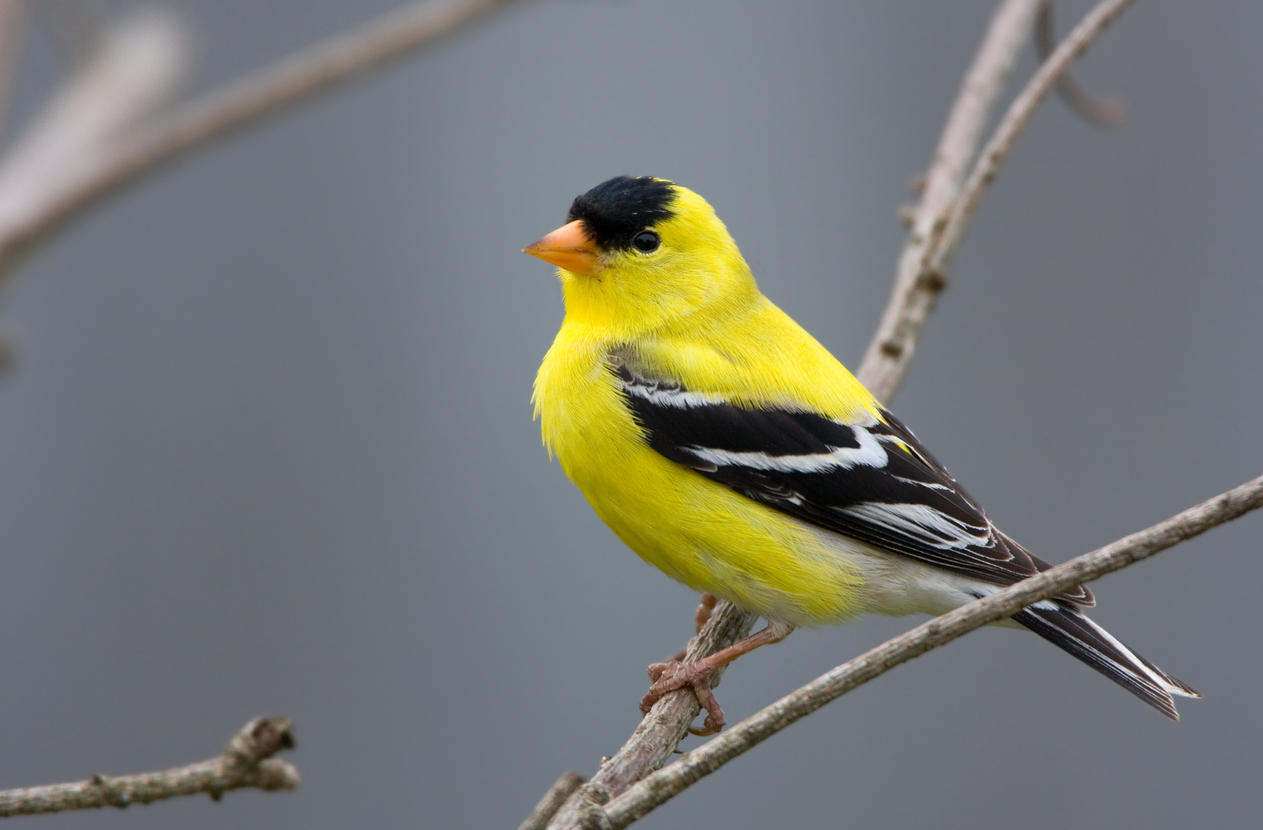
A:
{"x": 661, "y": 731}
{"x": 552, "y": 801}
{"x": 944, "y": 246}
{"x": 915, "y": 292}
{"x": 666, "y": 783}
{"x": 1103, "y": 112}
{"x": 267, "y": 92}
{"x": 245, "y": 762}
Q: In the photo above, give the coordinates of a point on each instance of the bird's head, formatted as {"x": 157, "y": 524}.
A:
{"x": 637, "y": 253}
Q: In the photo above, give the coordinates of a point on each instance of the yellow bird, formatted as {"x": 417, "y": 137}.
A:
{"x": 729, "y": 449}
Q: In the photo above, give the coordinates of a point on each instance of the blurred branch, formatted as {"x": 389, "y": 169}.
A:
{"x": 666, "y": 783}
{"x": 8, "y": 351}
{"x": 661, "y": 731}
{"x": 98, "y": 134}
{"x": 29, "y": 214}
{"x": 245, "y": 762}
{"x": 943, "y": 246}
{"x": 946, "y": 209}
{"x": 1104, "y": 112}
{"x": 133, "y": 70}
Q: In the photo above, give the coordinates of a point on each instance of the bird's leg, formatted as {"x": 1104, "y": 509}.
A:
{"x": 672, "y": 675}
{"x": 704, "y": 610}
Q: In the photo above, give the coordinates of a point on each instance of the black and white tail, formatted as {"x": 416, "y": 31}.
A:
{"x": 1065, "y": 626}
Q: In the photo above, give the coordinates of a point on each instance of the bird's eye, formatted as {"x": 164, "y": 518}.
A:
{"x": 647, "y": 242}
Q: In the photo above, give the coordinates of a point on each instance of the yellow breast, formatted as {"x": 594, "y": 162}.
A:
{"x": 701, "y": 533}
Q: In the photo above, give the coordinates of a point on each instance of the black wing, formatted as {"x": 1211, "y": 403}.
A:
{"x": 872, "y": 481}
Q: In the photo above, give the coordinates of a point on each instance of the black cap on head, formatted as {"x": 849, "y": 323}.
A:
{"x": 616, "y": 210}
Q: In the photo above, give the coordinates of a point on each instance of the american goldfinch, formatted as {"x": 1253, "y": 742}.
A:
{"x": 728, "y": 448}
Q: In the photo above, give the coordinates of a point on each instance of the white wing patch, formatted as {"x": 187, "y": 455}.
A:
{"x": 869, "y": 453}
{"x": 925, "y": 524}
{"x": 670, "y": 395}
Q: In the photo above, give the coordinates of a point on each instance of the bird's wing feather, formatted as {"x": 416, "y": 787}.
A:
{"x": 871, "y": 481}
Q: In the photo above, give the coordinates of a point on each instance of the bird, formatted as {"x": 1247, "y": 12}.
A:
{"x": 725, "y": 446}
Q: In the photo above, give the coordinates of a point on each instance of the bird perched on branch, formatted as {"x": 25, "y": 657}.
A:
{"x": 728, "y": 448}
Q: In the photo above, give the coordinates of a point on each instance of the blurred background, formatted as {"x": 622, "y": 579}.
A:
{"x": 267, "y": 443}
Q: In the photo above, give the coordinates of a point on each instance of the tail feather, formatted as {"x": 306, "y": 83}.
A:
{"x": 1065, "y": 626}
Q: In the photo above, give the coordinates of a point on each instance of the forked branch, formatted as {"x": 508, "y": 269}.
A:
{"x": 245, "y": 762}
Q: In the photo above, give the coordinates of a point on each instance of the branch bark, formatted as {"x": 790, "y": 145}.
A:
{"x": 1104, "y": 112}
{"x": 946, "y": 209}
{"x": 669, "y": 782}
{"x": 659, "y": 732}
{"x": 916, "y": 288}
{"x": 291, "y": 80}
{"x": 245, "y": 762}
{"x": 552, "y": 801}
{"x": 944, "y": 247}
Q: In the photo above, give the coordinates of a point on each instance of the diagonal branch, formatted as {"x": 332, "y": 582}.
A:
{"x": 658, "y": 733}
{"x": 552, "y": 801}
{"x": 130, "y": 72}
{"x": 1104, "y": 112}
{"x": 666, "y": 783}
{"x": 993, "y": 156}
{"x": 245, "y": 762}
{"x": 916, "y": 291}
{"x": 269, "y": 91}
{"x": 946, "y": 209}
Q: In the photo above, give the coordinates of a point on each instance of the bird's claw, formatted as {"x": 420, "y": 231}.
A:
{"x": 672, "y": 675}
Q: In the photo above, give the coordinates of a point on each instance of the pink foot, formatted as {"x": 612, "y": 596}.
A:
{"x": 668, "y": 677}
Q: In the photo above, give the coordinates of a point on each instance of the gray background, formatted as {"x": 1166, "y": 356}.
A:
{"x": 269, "y": 446}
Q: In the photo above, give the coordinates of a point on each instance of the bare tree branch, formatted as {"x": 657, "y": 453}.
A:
{"x": 245, "y": 762}
{"x": 666, "y": 783}
{"x": 264, "y": 93}
{"x": 96, "y": 136}
{"x": 1104, "y": 112}
{"x": 916, "y": 289}
{"x": 658, "y": 733}
{"x": 944, "y": 246}
{"x": 133, "y": 69}
{"x": 552, "y": 801}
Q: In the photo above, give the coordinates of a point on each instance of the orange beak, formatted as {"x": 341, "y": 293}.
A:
{"x": 570, "y": 248}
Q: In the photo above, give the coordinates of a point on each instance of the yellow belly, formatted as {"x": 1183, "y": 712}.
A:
{"x": 703, "y": 534}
